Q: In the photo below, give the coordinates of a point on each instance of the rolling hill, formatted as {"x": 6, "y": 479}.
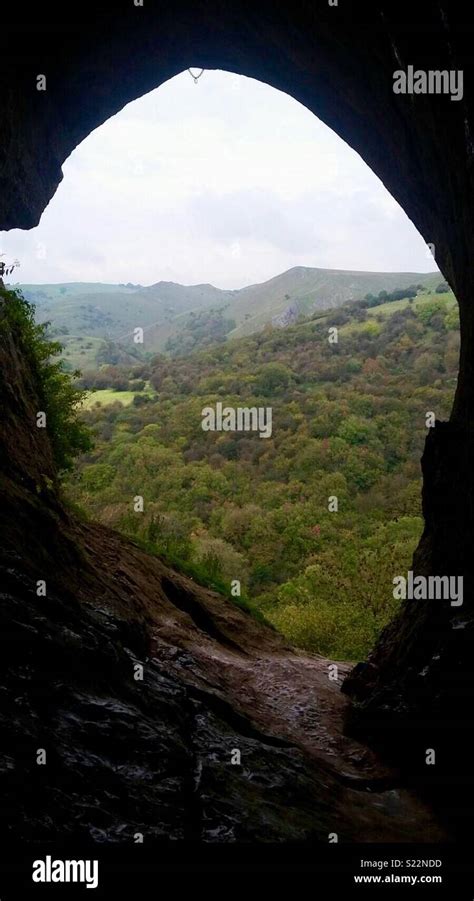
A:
{"x": 88, "y": 316}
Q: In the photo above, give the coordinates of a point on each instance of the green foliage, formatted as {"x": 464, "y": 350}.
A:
{"x": 220, "y": 559}
{"x": 272, "y": 378}
{"x": 370, "y": 301}
{"x": 356, "y": 430}
{"x": 348, "y": 421}
{"x": 451, "y": 320}
{"x": 201, "y": 574}
{"x": 98, "y": 476}
{"x": 57, "y": 393}
{"x": 428, "y": 310}
{"x": 200, "y": 330}
{"x": 339, "y": 606}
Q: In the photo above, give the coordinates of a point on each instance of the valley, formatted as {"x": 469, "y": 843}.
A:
{"x": 315, "y": 514}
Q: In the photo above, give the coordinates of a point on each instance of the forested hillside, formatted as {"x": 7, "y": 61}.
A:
{"x": 349, "y": 423}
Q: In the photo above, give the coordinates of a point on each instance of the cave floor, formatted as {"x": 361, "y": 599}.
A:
{"x": 289, "y": 694}
{"x": 211, "y": 645}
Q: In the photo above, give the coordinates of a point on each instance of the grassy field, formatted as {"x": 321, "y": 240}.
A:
{"x": 107, "y": 396}
{"x": 388, "y": 309}
{"x": 80, "y": 353}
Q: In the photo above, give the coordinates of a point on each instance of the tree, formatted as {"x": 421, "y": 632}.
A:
{"x": 7, "y": 268}
{"x": 432, "y": 308}
{"x": 60, "y": 398}
{"x": 272, "y": 378}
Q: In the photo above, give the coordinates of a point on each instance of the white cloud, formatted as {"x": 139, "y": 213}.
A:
{"x": 228, "y": 181}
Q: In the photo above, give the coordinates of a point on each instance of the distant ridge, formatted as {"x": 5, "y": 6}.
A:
{"x": 85, "y": 313}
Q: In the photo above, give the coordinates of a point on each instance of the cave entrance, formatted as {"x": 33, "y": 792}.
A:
{"x": 313, "y": 515}
{"x": 340, "y": 65}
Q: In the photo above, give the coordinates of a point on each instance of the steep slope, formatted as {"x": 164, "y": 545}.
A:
{"x": 153, "y": 755}
{"x": 314, "y": 289}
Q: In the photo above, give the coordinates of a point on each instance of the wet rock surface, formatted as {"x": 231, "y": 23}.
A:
{"x": 154, "y": 756}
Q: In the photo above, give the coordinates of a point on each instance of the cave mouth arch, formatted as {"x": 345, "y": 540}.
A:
{"x": 340, "y": 66}
{"x": 140, "y": 113}
{"x": 337, "y": 63}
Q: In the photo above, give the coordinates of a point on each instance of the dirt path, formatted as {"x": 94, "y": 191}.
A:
{"x": 290, "y": 695}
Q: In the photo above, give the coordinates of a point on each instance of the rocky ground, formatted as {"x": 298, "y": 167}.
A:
{"x": 154, "y": 755}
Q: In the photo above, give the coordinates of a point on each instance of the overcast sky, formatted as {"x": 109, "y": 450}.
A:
{"x": 225, "y": 181}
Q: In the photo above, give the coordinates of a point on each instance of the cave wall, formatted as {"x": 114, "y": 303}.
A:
{"x": 338, "y": 61}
